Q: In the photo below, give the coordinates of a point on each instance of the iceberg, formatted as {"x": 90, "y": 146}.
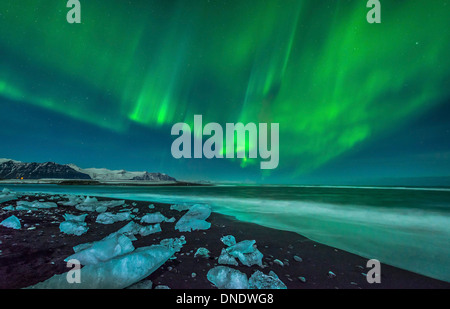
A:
{"x": 194, "y": 219}
{"x": 261, "y": 281}
{"x": 110, "y": 218}
{"x": 227, "y": 278}
{"x": 12, "y": 222}
{"x": 119, "y": 272}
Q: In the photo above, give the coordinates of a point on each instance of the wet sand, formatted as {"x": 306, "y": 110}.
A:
{"x": 37, "y": 251}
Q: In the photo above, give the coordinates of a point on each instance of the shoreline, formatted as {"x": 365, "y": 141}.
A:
{"x": 68, "y": 182}
{"x": 37, "y": 251}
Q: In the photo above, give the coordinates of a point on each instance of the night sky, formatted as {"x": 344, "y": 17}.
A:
{"x": 357, "y": 103}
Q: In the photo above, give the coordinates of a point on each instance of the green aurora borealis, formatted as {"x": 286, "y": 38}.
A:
{"x": 329, "y": 78}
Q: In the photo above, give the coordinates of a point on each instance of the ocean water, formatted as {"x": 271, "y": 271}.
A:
{"x": 404, "y": 227}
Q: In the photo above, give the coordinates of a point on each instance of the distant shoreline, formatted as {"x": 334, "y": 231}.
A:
{"x": 76, "y": 182}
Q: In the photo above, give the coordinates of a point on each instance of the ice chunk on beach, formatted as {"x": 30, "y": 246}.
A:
{"x": 226, "y": 259}
{"x": 152, "y": 218}
{"x": 35, "y": 205}
{"x": 117, "y": 273}
{"x": 73, "y": 200}
{"x": 202, "y": 252}
{"x": 9, "y": 207}
{"x": 180, "y": 207}
{"x": 74, "y": 225}
{"x": 245, "y": 246}
{"x": 103, "y": 250}
{"x": 246, "y": 252}
{"x": 7, "y": 196}
{"x": 174, "y": 243}
{"x": 110, "y": 218}
{"x": 73, "y": 228}
{"x": 69, "y": 217}
{"x": 261, "y": 281}
{"x": 150, "y": 229}
{"x": 227, "y": 278}
{"x": 90, "y": 200}
{"x": 194, "y": 219}
{"x": 128, "y": 230}
{"x": 132, "y": 228}
{"x": 92, "y": 204}
{"x": 12, "y": 222}
{"x": 228, "y": 240}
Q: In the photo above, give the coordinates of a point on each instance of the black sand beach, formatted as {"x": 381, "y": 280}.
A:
{"x": 37, "y": 251}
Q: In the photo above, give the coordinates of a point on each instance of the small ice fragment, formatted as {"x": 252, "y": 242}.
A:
{"x": 297, "y": 258}
{"x": 202, "y": 252}
{"x": 152, "y": 218}
{"x": 277, "y": 261}
{"x": 12, "y": 222}
{"x": 110, "y": 218}
{"x": 246, "y": 252}
{"x": 150, "y": 229}
{"x": 101, "y": 209}
{"x": 36, "y": 205}
{"x": 90, "y": 200}
{"x": 261, "y": 281}
{"x": 226, "y": 259}
{"x": 180, "y": 207}
{"x": 194, "y": 219}
{"x": 7, "y": 196}
{"x": 228, "y": 240}
{"x": 69, "y": 217}
{"x": 224, "y": 277}
{"x": 73, "y": 228}
{"x": 245, "y": 246}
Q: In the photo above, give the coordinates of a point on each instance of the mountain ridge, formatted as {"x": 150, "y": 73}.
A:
{"x": 12, "y": 169}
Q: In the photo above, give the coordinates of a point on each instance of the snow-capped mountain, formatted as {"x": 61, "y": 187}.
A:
{"x": 103, "y": 174}
{"x": 11, "y": 169}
